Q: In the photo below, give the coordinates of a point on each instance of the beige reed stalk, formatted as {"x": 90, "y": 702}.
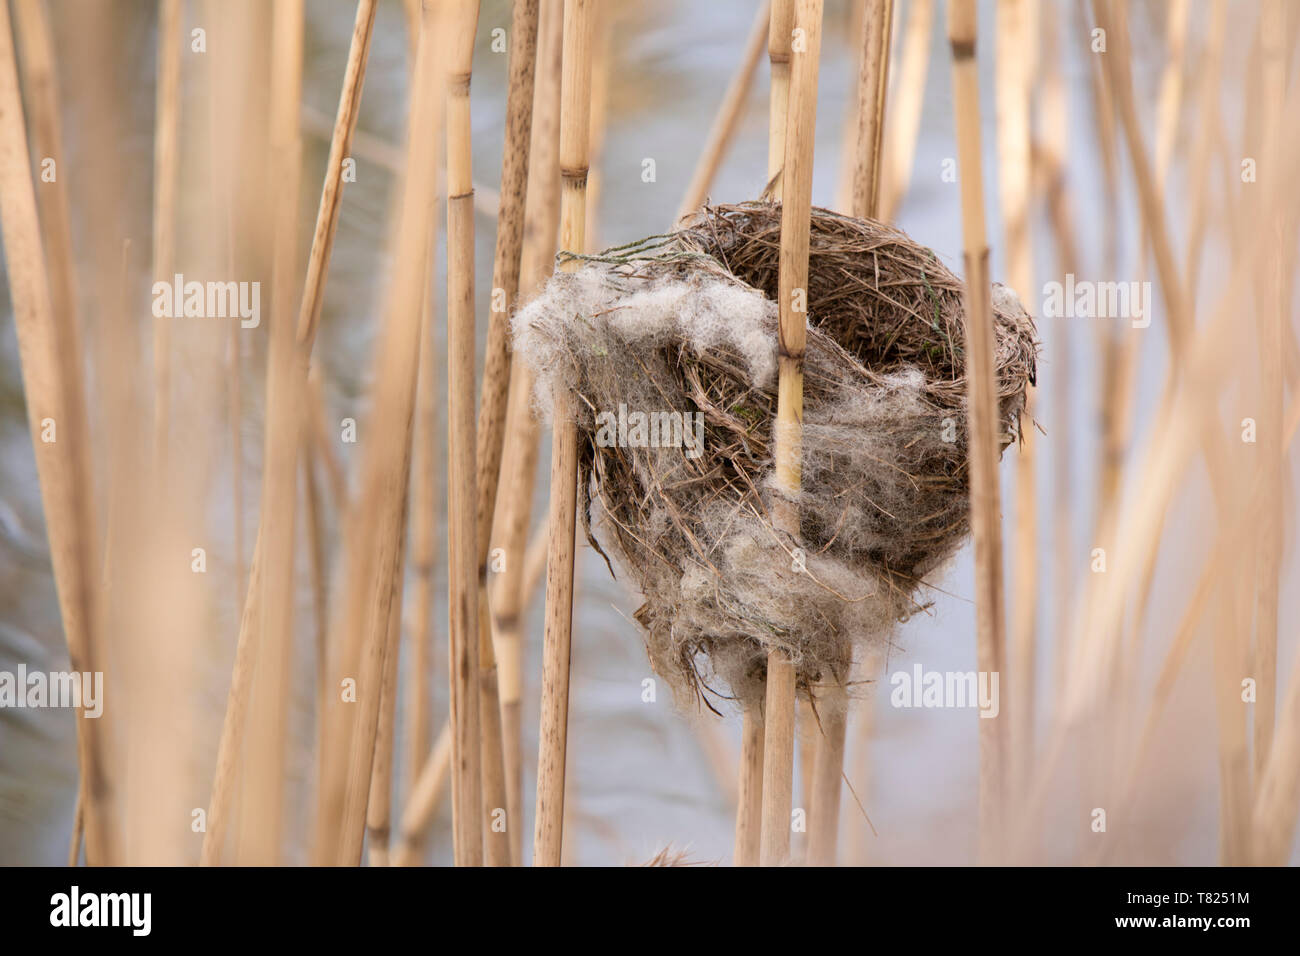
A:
{"x": 990, "y": 649}
{"x": 1014, "y": 65}
{"x": 462, "y": 493}
{"x": 510, "y": 592}
{"x": 492, "y": 408}
{"x": 575, "y": 132}
{"x": 262, "y": 778}
{"x": 1180, "y": 418}
{"x": 166, "y": 170}
{"x": 423, "y": 500}
{"x": 40, "y": 80}
{"x": 424, "y": 517}
{"x": 286, "y": 382}
{"x": 749, "y": 789}
{"x": 865, "y": 202}
{"x": 796, "y": 216}
{"x": 873, "y": 84}
{"x": 377, "y": 523}
{"x": 422, "y": 804}
{"x": 1271, "y": 314}
{"x": 50, "y": 357}
{"x": 379, "y": 805}
{"x": 905, "y": 115}
{"x": 728, "y": 116}
{"x": 779, "y": 32}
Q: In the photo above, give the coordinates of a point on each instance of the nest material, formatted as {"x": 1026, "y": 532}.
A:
{"x": 687, "y": 323}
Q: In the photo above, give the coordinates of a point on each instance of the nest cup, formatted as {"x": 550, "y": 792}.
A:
{"x": 668, "y": 346}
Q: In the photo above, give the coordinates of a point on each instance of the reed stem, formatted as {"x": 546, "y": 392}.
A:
{"x": 286, "y": 382}
{"x": 796, "y": 217}
{"x": 492, "y": 408}
{"x": 467, "y": 779}
{"x": 50, "y": 357}
{"x": 990, "y": 649}
{"x": 575, "y": 132}
{"x": 519, "y": 457}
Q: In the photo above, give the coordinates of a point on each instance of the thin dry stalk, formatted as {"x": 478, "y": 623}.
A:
{"x": 865, "y": 200}
{"x": 575, "y": 132}
{"x": 377, "y": 525}
{"x": 779, "y": 33}
{"x": 422, "y": 803}
{"x": 379, "y": 805}
{"x": 1270, "y": 313}
{"x": 749, "y": 791}
{"x": 286, "y": 381}
{"x": 1014, "y": 82}
{"x": 1181, "y": 416}
{"x": 315, "y": 529}
{"x": 424, "y": 516}
{"x": 1049, "y": 157}
{"x": 873, "y": 83}
{"x": 466, "y": 771}
{"x": 166, "y": 162}
{"x": 728, "y": 116}
{"x": 40, "y": 80}
{"x": 519, "y": 457}
{"x": 990, "y": 648}
{"x": 796, "y": 218}
{"x": 749, "y": 804}
{"x": 261, "y": 802}
{"x": 905, "y": 115}
{"x": 50, "y": 357}
{"x": 492, "y": 408}
{"x": 602, "y": 37}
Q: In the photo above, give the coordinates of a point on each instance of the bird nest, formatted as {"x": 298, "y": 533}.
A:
{"x": 666, "y": 352}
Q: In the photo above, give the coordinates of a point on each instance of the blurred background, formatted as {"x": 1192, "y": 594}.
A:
{"x": 648, "y": 775}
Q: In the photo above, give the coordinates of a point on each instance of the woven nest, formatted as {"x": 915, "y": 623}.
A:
{"x": 687, "y": 323}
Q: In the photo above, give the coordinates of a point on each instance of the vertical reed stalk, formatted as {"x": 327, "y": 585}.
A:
{"x": 749, "y": 800}
{"x": 51, "y": 361}
{"x": 873, "y": 83}
{"x": 40, "y": 80}
{"x": 865, "y": 202}
{"x": 990, "y": 650}
{"x": 379, "y": 805}
{"x": 728, "y": 116}
{"x": 796, "y": 216}
{"x": 467, "y": 781}
{"x": 286, "y": 382}
{"x": 779, "y": 31}
{"x": 1053, "y": 150}
{"x": 575, "y": 132}
{"x": 1014, "y": 81}
{"x": 1271, "y": 317}
{"x": 422, "y": 804}
{"x": 377, "y": 524}
{"x": 909, "y": 95}
{"x": 166, "y": 170}
{"x": 519, "y": 457}
{"x": 424, "y": 513}
{"x": 315, "y": 528}
{"x": 492, "y": 408}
